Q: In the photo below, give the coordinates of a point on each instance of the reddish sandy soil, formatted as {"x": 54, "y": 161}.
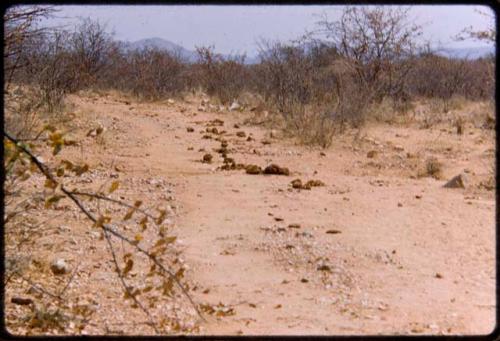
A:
{"x": 406, "y": 256}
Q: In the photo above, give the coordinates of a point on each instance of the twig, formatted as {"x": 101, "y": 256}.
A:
{"x": 69, "y": 281}
{"x": 124, "y": 284}
{"x": 102, "y": 197}
{"x": 46, "y": 172}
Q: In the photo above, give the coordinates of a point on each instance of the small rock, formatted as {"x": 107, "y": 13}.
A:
{"x": 190, "y": 129}
{"x": 438, "y": 275}
{"x": 234, "y": 106}
{"x": 297, "y": 183}
{"x": 323, "y": 268}
{"x": 400, "y": 204}
{"x": 456, "y": 182}
{"x": 253, "y": 169}
{"x": 371, "y": 154}
{"x": 333, "y": 231}
{"x": 207, "y": 158}
{"x": 241, "y": 134}
{"x": 294, "y": 226}
{"x": 21, "y": 300}
{"x": 236, "y": 126}
{"x": 277, "y": 170}
{"x": 170, "y": 101}
{"x": 59, "y": 267}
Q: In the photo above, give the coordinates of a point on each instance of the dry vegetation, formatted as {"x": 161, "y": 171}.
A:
{"x": 362, "y": 71}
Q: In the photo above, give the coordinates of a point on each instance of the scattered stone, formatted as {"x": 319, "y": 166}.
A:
{"x": 438, "y": 275}
{"x": 223, "y": 144}
{"x": 190, "y": 148}
{"x": 324, "y": 268}
{"x": 333, "y": 231}
{"x": 21, "y": 300}
{"x": 371, "y": 154}
{"x": 190, "y": 129}
{"x": 236, "y": 126}
{"x": 253, "y": 169}
{"x": 304, "y": 280}
{"x": 234, "y": 106}
{"x": 277, "y": 170}
{"x": 314, "y": 183}
{"x": 456, "y": 182}
{"x": 170, "y": 101}
{"x": 216, "y": 122}
{"x": 241, "y": 134}
{"x": 229, "y": 160}
{"x": 297, "y": 183}
{"x": 59, "y": 267}
{"x": 294, "y": 226}
{"x": 278, "y": 219}
{"x": 207, "y": 158}
{"x": 265, "y": 142}
{"x": 322, "y": 154}
{"x": 250, "y": 138}
{"x": 212, "y": 130}
{"x": 273, "y": 133}
{"x": 418, "y": 196}
{"x": 207, "y": 137}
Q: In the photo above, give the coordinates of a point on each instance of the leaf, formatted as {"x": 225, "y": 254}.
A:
{"x": 49, "y": 128}
{"x": 128, "y": 267}
{"x": 143, "y": 223}
{"x": 147, "y": 289}
{"x": 179, "y": 274}
{"x": 50, "y": 184}
{"x": 114, "y": 186}
{"x": 79, "y": 170}
{"x": 129, "y": 214}
{"x": 162, "y": 216}
{"x": 53, "y": 200}
{"x": 101, "y": 221}
{"x": 167, "y": 287}
{"x": 67, "y": 164}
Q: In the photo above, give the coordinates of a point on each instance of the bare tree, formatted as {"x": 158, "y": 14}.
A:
{"x": 486, "y": 35}
{"x": 378, "y": 43}
{"x": 20, "y": 25}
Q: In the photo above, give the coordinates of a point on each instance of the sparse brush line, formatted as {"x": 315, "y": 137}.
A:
{"x": 46, "y": 172}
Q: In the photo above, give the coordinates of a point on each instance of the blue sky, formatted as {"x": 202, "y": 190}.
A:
{"x": 236, "y": 29}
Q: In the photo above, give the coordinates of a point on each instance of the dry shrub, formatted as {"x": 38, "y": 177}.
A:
{"x": 313, "y": 128}
{"x": 153, "y": 74}
{"x": 433, "y": 168}
{"x": 221, "y": 77}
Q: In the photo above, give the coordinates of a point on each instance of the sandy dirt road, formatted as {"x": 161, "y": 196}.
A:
{"x": 374, "y": 251}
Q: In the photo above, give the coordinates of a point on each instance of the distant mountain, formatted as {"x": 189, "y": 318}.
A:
{"x": 161, "y": 44}
{"x": 467, "y": 52}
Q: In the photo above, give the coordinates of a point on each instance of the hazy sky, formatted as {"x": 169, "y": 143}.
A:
{"x": 237, "y": 28}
